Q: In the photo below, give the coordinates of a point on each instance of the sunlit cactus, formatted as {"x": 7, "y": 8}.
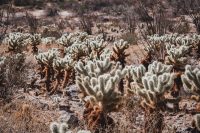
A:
{"x": 98, "y": 80}
{"x": 77, "y": 51}
{"x": 177, "y": 55}
{"x": 63, "y": 128}
{"x": 191, "y": 81}
{"x": 16, "y": 42}
{"x": 62, "y": 66}
{"x": 154, "y": 88}
{"x": 96, "y": 46}
{"x": 134, "y": 76}
{"x": 119, "y": 52}
{"x": 159, "y": 68}
{"x": 45, "y": 60}
{"x": 35, "y": 40}
{"x": 47, "y": 57}
{"x": 48, "y": 41}
{"x": 67, "y": 40}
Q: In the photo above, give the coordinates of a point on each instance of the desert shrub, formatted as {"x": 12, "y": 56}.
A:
{"x": 23, "y": 2}
{"x": 13, "y": 75}
{"x": 63, "y": 128}
{"x": 86, "y": 23}
{"x": 51, "y": 31}
{"x": 131, "y": 38}
{"x": 51, "y": 9}
{"x": 32, "y": 23}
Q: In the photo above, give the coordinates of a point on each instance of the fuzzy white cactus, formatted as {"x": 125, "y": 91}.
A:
{"x": 63, "y": 128}
{"x": 191, "y": 80}
{"x": 16, "y": 41}
{"x": 159, "y": 68}
{"x": 176, "y": 55}
{"x": 47, "y": 57}
{"x": 119, "y": 52}
{"x": 35, "y": 39}
{"x": 48, "y": 41}
{"x": 154, "y": 88}
{"x": 67, "y": 40}
{"x": 99, "y": 81}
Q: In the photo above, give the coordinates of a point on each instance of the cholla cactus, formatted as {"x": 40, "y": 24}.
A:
{"x": 134, "y": 76}
{"x": 191, "y": 81}
{"x": 68, "y": 39}
{"x": 48, "y": 41}
{"x": 16, "y": 41}
{"x": 48, "y": 57}
{"x": 63, "y": 128}
{"x": 95, "y": 46}
{"x": 35, "y": 40}
{"x": 154, "y": 88}
{"x": 119, "y": 52}
{"x": 197, "y": 121}
{"x": 98, "y": 80}
{"x": 61, "y": 65}
{"x": 45, "y": 60}
{"x": 159, "y": 68}
{"x": 176, "y": 56}
{"x": 77, "y": 51}
{"x": 68, "y": 70}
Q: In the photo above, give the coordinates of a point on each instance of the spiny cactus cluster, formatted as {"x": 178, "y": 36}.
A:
{"x": 99, "y": 81}
{"x": 159, "y": 68}
{"x": 177, "y": 47}
{"x": 151, "y": 85}
{"x": 119, "y": 52}
{"x": 176, "y": 39}
{"x": 154, "y": 88}
{"x": 35, "y": 40}
{"x": 87, "y": 47}
{"x": 63, "y": 128}
{"x": 177, "y": 56}
{"x": 191, "y": 81}
{"x": 52, "y": 66}
{"x": 67, "y": 40}
{"x": 16, "y": 41}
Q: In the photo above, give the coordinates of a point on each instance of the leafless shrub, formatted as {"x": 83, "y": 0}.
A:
{"x": 86, "y": 23}
{"x": 5, "y": 15}
{"x": 131, "y": 38}
{"x": 181, "y": 27}
{"x": 196, "y": 21}
{"x": 155, "y": 19}
{"x": 129, "y": 17}
{"x": 23, "y": 2}
{"x": 51, "y": 10}
{"x": 12, "y": 75}
{"x": 32, "y": 23}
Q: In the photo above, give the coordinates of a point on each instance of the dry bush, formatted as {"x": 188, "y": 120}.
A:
{"x": 155, "y": 19}
{"x": 51, "y": 9}
{"x": 6, "y": 11}
{"x": 86, "y": 23}
{"x": 131, "y": 38}
{"x": 13, "y": 76}
{"x": 23, "y": 2}
{"x": 32, "y": 23}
